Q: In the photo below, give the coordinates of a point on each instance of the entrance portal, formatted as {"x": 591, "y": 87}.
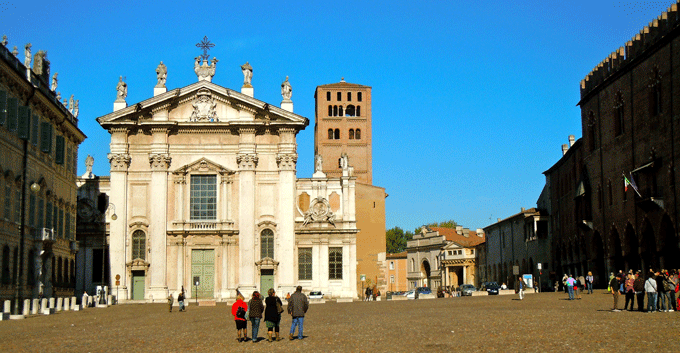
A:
{"x": 138, "y": 284}
{"x": 266, "y": 280}
{"x": 203, "y": 267}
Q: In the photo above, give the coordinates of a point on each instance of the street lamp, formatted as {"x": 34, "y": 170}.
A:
{"x": 113, "y": 216}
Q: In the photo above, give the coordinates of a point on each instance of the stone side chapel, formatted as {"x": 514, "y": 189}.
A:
{"x": 203, "y": 179}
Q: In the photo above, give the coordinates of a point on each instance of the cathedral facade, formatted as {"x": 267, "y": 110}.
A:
{"x": 203, "y": 181}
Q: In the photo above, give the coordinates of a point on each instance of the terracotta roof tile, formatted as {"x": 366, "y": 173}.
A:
{"x": 452, "y": 235}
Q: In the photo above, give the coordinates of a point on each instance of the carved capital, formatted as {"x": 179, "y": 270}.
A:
{"x": 159, "y": 161}
{"x": 286, "y": 161}
{"x": 120, "y": 162}
{"x": 247, "y": 161}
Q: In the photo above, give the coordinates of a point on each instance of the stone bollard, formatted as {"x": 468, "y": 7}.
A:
{"x": 7, "y": 308}
{"x": 73, "y": 304}
{"x": 35, "y": 306}
{"x": 108, "y": 299}
{"x": 89, "y": 301}
{"x": 27, "y": 307}
{"x": 43, "y": 306}
{"x": 67, "y": 305}
{"x": 60, "y": 303}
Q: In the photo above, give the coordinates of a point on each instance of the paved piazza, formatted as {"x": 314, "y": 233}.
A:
{"x": 541, "y": 322}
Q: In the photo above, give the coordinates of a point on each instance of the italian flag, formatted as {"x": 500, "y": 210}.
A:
{"x": 626, "y": 183}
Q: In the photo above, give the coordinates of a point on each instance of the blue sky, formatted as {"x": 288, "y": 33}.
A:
{"x": 471, "y": 100}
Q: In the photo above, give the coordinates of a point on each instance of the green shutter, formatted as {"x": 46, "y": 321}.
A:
{"x": 34, "y": 130}
{"x": 3, "y": 107}
{"x": 24, "y": 123}
{"x": 59, "y": 150}
{"x": 12, "y": 105}
{"x": 46, "y": 137}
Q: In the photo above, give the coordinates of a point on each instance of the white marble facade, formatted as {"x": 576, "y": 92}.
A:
{"x": 204, "y": 183}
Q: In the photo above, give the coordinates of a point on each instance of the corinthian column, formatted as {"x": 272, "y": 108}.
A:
{"x": 286, "y": 160}
{"x": 158, "y": 204}
{"x": 247, "y": 163}
{"x": 120, "y": 162}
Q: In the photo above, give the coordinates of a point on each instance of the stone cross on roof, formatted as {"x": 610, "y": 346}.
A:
{"x": 205, "y": 45}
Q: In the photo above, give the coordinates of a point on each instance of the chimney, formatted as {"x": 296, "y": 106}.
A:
{"x": 571, "y": 140}
{"x": 565, "y": 148}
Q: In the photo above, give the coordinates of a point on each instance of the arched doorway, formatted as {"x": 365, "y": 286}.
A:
{"x": 616, "y": 253}
{"x": 600, "y": 271}
{"x": 648, "y": 252}
{"x": 671, "y": 246}
{"x": 632, "y": 257}
{"x": 425, "y": 273}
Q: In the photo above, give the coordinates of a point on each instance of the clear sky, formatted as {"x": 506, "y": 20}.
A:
{"x": 471, "y": 100}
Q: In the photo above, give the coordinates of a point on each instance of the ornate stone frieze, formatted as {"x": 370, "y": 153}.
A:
{"x": 286, "y": 161}
{"x": 319, "y": 211}
{"x": 119, "y": 161}
{"x": 159, "y": 161}
{"x": 247, "y": 161}
{"x": 204, "y": 106}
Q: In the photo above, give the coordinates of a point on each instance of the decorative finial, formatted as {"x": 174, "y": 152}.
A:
{"x": 342, "y": 79}
{"x": 4, "y": 40}
{"x": 15, "y": 51}
{"x": 58, "y": 96}
{"x": 205, "y": 45}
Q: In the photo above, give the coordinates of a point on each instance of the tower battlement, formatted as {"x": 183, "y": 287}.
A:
{"x": 657, "y": 30}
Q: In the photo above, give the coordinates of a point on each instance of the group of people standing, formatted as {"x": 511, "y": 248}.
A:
{"x": 272, "y": 308}
{"x": 575, "y": 285}
{"x": 660, "y": 287}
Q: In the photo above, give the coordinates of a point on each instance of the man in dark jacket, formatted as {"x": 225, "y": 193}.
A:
{"x": 639, "y": 288}
{"x": 297, "y": 307}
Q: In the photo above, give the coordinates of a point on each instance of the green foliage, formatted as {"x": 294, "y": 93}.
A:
{"x": 396, "y": 240}
{"x": 446, "y": 224}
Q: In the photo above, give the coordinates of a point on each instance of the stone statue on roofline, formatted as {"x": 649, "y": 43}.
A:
{"x": 318, "y": 163}
{"x": 70, "y": 104}
{"x": 121, "y": 89}
{"x": 161, "y": 74}
{"x": 27, "y": 54}
{"x": 247, "y": 74}
{"x": 76, "y": 108}
{"x": 15, "y": 52}
{"x": 54, "y": 82}
{"x": 4, "y": 40}
{"x": 286, "y": 90}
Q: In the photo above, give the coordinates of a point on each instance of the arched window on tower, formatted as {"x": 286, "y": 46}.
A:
{"x": 267, "y": 243}
{"x": 328, "y": 96}
{"x": 330, "y": 110}
{"x": 357, "y": 134}
{"x": 358, "y": 110}
{"x": 330, "y": 134}
{"x": 335, "y": 110}
{"x": 350, "y": 110}
{"x": 340, "y": 111}
{"x": 337, "y": 134}
{"x": 138, "y": 245}
{"x": 351, "y": 134}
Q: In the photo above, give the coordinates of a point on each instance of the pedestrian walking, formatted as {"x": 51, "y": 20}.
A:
{"x": 520, "y": 287}
{"x": 180, "y": 300}
{"x": 255, "y": 310}
{"x": 639, "y": 288}
{"x": 630, "y": 292}
{"x": 272, "y": 314}
{"x": 614, "y": 285}
{"x": 578, "y": 287}
{"x": 589, "y": 282}
{"x": 569, "y": 284}
{"x": 238, "y": 310}
{"x": 369, "y": 292}
{"x": 170, "y": 301}
{"x": 651, "y": 289}
{"x": 297, "y": 307}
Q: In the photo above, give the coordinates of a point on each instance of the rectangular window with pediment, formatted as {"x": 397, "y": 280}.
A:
{"x": 334, "y": 263}
{"x": 304, "y": 264}
{"x": 203, "y": 197}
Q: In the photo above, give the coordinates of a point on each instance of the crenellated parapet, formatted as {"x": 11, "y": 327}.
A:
{"x": 637, "y": 47}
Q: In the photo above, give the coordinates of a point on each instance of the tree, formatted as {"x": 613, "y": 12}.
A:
{"x": 446, "y": 224}
{"x": 396, "y": 240}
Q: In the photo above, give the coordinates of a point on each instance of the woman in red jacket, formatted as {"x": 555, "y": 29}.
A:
{"x": 239, "y": 310}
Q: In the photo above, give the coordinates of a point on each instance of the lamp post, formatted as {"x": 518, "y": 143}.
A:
{"x": 35, "y": 188}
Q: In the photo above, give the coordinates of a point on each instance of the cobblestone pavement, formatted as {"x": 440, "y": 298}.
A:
{"x": 541, "y": 322}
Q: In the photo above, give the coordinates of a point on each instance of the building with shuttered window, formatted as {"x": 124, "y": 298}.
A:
{"x": 39, "y": 139}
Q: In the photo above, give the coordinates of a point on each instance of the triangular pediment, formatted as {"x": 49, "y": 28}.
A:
{"x": 453, "y": 245}
{"x": 203, "y": 104}
{"x": 203, "y": 165}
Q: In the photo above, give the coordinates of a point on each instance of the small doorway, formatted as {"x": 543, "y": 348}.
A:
{"x": 203, "y": 267}
{"x": 138, "y": 283}
{"x": 266, "y": 280}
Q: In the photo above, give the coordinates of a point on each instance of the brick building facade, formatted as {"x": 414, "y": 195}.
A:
{"x": 630, "y": 125}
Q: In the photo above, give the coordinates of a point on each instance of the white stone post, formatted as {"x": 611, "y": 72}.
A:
{"x": 60, "y": 302}
{"x": 35, "y": 306}
{"x": 67, "y": 304}
{"x": 27, "y": 307}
